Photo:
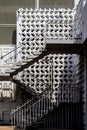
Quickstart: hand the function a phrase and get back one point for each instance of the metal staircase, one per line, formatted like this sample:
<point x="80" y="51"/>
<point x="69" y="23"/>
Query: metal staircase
<point x="33" y="29"/>
<point x="22" y="64"/>
<point x="32" y="35"/>
<point x="31" y="46"/>
<point x="32" y="111"/>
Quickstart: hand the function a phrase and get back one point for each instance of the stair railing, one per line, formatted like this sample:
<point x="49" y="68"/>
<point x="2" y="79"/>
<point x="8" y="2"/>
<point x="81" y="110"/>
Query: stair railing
<point x="19" y="108"/>
<point x="10" y="55"/>
<point x="31" y="111"/>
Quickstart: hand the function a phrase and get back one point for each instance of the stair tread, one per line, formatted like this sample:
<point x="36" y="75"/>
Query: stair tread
<point x="9" y="71"/>
<point x="15" y="67"/>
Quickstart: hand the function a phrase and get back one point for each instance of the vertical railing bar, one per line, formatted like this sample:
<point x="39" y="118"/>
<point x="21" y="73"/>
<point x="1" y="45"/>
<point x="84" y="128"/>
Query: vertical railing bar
<point x="39" y="109"/>
<point x="33" y="113"/>
<point x="25" y="116"/>
<point x="29" y="113"/>
<point x="44" y="104"/>
<point x="30" y="117"/>
<point x="17" y="115"/>
<point x="47" y="106"/>
<point x="22" y="119"/>
<point x="42" y="107"/>
<point x="37" y="112"/>
<point x="14" y="120"/>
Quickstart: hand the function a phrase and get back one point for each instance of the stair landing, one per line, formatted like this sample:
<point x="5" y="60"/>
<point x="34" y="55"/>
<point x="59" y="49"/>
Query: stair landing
<point x="8" y="128"/>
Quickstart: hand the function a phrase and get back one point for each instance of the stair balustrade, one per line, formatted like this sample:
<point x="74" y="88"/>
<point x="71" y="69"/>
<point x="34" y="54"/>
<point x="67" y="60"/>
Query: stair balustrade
<point x="33" y="110"/>
<point x="11" y="58"/>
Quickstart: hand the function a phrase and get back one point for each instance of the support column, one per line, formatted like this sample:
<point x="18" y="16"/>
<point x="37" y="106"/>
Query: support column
<point x="37" y="4"/>
<point x="85" y="90"/>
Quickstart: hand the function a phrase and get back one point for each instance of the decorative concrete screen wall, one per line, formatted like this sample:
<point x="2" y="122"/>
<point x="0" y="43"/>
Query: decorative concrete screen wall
<point x="55" y="72"/>
<point x="35" y="26"/>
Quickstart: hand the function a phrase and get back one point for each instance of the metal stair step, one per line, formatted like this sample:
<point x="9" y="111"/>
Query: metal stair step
<point x="27" y="60"/>
<point x="37" y="53"/>
<point x="9" y="71"/>
<point x="15" y="67"/>
<point x="33" y="56"/>
<point x="20" y="63"/>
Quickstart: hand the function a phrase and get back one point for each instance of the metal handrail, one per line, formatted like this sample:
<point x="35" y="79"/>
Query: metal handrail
<point x="10" y="52"/>
<point x="28" y="109"/>
<point x="28" y="102"/>
<point x="37" y="96"/>
<point x="12" y="56"/>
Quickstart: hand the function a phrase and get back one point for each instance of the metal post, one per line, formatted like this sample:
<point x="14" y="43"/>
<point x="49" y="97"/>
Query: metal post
<point x="14" y="118"/>
<point x="51" y="77"/>
<point x="37" y="4"/>
<point x="17" y="115"/>
<point x="30" y="117"/>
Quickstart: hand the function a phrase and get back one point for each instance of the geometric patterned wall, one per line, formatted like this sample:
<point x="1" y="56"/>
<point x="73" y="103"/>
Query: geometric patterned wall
<point x="35" y="26"/>
<point x="55" y="71"/>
